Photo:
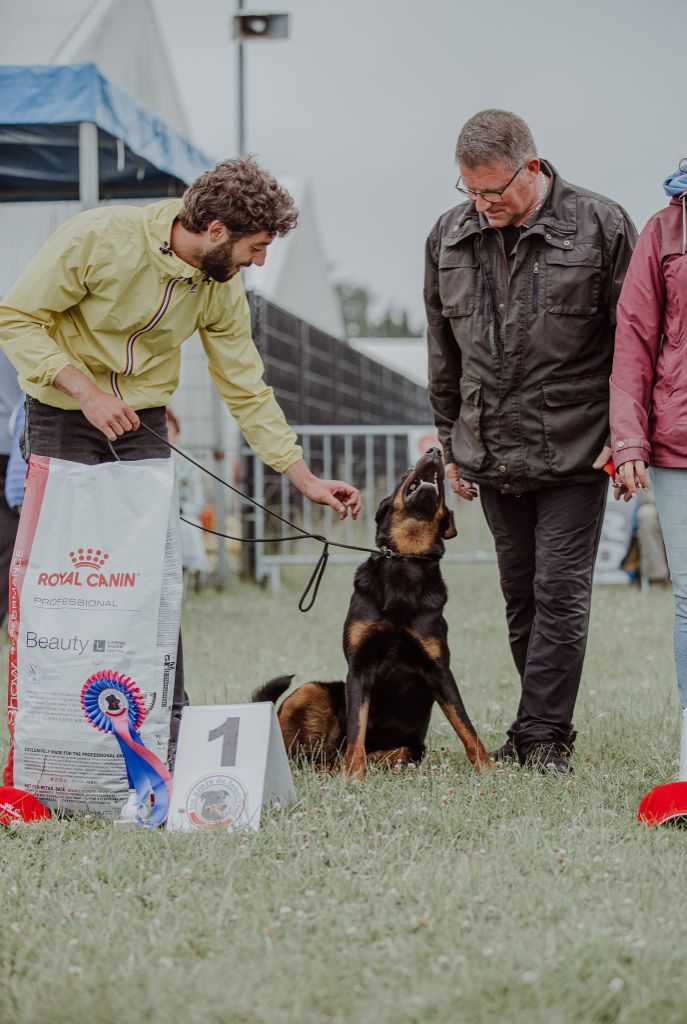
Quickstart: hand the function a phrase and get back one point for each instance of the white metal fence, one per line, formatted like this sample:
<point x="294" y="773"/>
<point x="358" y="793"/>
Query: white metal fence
<point x="372" y="458"/>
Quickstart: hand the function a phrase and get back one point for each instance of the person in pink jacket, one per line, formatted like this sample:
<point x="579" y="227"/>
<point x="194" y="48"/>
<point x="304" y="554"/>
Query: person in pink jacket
<point x="648" y="409"/>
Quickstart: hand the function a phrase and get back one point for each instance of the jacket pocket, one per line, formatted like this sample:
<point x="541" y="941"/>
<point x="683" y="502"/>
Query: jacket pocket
<point x="575" y="417"/>
<point x="466" y="439"/>
<point x="458" y="279"/>
<point x="573" y="280"/>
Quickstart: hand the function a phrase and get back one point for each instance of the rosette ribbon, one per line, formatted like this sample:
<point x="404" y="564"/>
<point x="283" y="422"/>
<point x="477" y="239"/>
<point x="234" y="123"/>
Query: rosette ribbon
<point x="113" y="703"/>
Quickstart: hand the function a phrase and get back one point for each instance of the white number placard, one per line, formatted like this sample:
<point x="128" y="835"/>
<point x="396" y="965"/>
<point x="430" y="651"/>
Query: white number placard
<point x="231" y="761"/>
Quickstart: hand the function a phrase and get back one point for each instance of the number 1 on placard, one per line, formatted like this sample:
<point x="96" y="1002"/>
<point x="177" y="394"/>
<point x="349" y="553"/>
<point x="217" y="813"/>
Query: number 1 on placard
<point x="229" y="731"/>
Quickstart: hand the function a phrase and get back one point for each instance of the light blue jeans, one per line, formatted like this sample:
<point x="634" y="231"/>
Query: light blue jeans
<point x="670" y="490"/>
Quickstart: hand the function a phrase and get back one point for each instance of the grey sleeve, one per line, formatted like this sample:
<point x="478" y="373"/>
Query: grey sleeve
<point x="621" y="248"/>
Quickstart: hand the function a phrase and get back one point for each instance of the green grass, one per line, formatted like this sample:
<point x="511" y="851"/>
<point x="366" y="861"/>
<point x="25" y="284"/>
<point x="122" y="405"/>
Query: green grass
<point x="424" y="895"/>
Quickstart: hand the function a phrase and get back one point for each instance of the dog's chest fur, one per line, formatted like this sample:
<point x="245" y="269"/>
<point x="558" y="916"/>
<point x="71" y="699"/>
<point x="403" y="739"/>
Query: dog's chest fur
<point x="400" y="589"/>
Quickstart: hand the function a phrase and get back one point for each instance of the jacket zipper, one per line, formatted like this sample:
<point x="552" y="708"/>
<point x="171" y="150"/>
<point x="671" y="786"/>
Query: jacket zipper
<point x="132" y="339"/>
<point x="535" y="284"/>
<point x="504" y="311"/>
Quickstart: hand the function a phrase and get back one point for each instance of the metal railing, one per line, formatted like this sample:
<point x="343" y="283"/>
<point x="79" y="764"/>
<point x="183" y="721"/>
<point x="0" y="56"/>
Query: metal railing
<point x="372" y="458"/>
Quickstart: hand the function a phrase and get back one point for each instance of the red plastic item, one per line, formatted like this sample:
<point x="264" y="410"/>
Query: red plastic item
<point x="664" y="803"/>
<point x="610" y="469"/>
<point x="16" y="806"/>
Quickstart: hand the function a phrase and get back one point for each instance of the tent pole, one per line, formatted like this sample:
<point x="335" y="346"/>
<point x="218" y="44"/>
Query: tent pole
<point x="89" y="175"/>
<point x="220" y="494"/>
<point x="219" y="456"/>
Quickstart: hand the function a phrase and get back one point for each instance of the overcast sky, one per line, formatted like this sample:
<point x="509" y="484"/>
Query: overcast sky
<point x="366" y="98"/>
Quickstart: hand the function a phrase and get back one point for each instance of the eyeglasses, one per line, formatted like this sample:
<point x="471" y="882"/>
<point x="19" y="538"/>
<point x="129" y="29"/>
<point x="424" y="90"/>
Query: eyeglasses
<point x="491" y="195"/>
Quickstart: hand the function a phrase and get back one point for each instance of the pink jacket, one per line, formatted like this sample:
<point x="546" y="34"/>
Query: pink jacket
<point x="648" y="411"/>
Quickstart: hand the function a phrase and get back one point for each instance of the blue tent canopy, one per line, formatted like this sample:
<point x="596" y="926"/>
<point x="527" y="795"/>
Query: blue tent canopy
<point x="41" y="108"/>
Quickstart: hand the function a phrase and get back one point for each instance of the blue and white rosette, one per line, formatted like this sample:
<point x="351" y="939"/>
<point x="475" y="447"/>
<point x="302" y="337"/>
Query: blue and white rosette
<point x="113" y="703"/>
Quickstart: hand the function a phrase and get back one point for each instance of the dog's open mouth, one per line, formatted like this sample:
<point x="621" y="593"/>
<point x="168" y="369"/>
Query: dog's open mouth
<point x="423" y="489"/>
<point x="433" y="481"/>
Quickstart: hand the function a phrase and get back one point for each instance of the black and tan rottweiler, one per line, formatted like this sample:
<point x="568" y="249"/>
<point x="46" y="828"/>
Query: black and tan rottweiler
<point x="395" y="642"/>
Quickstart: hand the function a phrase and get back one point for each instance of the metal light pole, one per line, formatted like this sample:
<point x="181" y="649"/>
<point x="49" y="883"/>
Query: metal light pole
<point x="240" y="90"/>
<point x="245" y="27"/>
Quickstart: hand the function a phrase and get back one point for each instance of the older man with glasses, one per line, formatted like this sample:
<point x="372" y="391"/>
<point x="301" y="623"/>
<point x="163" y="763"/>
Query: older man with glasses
<point x="521" y="286"/>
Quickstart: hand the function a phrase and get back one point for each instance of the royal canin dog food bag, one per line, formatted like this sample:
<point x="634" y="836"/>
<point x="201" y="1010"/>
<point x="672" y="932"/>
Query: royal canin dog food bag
<point x="95" y="585"/>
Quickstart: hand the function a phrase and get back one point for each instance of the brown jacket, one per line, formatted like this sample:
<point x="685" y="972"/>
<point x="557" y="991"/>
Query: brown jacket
<point x="520" y="348"/>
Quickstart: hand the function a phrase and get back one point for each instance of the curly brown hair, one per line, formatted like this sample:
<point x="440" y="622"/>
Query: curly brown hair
<point x="243" y="196"/>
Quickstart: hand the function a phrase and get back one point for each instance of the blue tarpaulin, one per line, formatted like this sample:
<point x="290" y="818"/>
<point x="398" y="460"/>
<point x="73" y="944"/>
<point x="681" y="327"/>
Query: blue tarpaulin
<point x="41" y="107"/>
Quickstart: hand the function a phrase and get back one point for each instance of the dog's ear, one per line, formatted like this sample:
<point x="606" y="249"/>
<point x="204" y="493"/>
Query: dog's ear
<point x="382" y="510"/>
<point x="448" y="525"/>
<point x="382" y="516"/>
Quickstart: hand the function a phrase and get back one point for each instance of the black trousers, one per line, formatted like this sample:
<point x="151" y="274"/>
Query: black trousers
<point x="9" y="521"/>
<point x="67" y="434"/>
<point x="546" y="542"/>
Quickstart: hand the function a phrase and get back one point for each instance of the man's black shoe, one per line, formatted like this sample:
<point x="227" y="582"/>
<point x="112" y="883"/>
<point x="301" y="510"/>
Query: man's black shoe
<point x="506" y="754"/>
<point x="509" y="753"/>
<point x="549" y="757"/>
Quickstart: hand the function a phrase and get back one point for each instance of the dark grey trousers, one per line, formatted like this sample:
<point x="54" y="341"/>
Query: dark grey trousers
<point x="9" y="521"/>
<point x="67" y="434"/>
<point x="546" y="542"/>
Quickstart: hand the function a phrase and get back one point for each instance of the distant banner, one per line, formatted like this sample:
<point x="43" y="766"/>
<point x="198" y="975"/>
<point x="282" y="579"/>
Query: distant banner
<point x="616" y="535"/>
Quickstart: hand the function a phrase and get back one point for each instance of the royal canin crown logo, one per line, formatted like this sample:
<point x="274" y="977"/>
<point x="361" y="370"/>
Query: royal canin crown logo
<point x="87" y="558"/>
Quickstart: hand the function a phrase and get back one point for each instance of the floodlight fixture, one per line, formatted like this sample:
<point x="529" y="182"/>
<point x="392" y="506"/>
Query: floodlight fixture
<point x="258" y="25"/>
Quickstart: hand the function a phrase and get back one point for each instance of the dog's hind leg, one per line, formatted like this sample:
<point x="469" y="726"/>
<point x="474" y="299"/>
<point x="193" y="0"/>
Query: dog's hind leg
<point x="309" y="724"/>
<point x="449" y="700"/>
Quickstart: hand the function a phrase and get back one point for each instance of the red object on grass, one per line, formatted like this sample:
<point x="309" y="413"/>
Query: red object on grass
<point x="16" y="805"/>
<point x="664" y="803"/>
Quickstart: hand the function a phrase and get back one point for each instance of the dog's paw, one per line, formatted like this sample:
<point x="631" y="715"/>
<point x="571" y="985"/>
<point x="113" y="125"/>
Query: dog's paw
<point x="355" y="765"/>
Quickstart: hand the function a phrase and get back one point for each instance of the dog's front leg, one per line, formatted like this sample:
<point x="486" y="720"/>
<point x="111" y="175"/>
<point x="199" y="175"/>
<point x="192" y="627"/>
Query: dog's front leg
<point x="448" y="698"/>
<point x="357" y="709"/>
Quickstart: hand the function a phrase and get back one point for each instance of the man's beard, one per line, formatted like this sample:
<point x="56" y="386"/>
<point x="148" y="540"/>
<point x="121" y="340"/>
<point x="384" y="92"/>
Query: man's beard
<point x="217" y="262"/>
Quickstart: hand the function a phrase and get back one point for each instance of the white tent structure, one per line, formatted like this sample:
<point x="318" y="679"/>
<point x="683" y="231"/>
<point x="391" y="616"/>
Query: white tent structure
<point x="120" y="36"/>
<point x="296" y="274"/>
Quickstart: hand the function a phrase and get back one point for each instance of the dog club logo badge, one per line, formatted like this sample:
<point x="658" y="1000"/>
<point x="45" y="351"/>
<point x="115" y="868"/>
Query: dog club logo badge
<point x="217" y="801"/>
<point x="89" y="567"/>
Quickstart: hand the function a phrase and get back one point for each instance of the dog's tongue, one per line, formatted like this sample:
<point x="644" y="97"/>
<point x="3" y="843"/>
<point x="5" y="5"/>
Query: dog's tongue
<point x="428" y="483"/>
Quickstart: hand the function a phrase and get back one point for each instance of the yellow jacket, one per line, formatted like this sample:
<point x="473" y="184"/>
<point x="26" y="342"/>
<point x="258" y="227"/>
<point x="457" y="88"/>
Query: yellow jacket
<point x="105" y="294"/>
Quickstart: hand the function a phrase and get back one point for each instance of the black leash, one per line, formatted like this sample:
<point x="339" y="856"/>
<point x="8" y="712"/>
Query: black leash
<point x="313" y="585"/>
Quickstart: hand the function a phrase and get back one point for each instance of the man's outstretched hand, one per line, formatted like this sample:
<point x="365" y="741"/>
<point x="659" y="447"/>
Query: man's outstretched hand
<point x="458" y="485"/>
<point x="340" y="496"/>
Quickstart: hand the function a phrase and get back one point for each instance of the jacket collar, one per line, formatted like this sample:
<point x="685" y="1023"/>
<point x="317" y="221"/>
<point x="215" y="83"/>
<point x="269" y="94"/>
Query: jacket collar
<point x="556" y="220"/>
<point x="158" y="226"/>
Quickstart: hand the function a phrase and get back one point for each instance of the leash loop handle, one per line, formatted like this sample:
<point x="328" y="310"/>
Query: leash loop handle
<point x="314" y="581"/>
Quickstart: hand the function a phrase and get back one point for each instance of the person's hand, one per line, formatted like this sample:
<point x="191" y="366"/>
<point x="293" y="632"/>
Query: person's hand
<point x="340" y="496"/>
<point x="602" y="458"/>
<point x="458" y="485"/>
<point x="109" y="414"/>
<point x="629" y="477"/>
<point x="337" y="494"/>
